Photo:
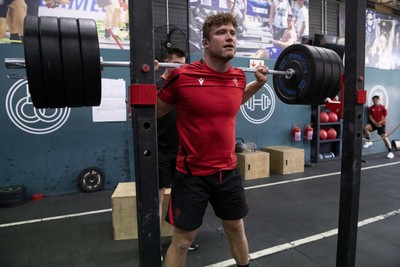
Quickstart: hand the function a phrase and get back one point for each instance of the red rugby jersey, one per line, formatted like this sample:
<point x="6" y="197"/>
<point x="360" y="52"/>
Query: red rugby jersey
<point x="206" y="103"/>
<point x="377" y="112"/>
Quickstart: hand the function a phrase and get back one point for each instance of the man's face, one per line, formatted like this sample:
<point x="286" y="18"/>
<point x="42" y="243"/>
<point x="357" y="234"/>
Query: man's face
<point x="291" y="21"/>
<point x="376" y="101"/>
<point x="221" y="42"/>
<point x="175" y="59"/>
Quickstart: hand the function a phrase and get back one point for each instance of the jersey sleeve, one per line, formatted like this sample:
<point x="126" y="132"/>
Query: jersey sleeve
<point x="168" y="91"/>
<point x="384" y="111"/>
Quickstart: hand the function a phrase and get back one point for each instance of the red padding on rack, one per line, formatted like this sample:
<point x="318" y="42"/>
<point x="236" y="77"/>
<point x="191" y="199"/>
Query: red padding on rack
<point x="142" y="94"/>
<point x="361" y="97"/>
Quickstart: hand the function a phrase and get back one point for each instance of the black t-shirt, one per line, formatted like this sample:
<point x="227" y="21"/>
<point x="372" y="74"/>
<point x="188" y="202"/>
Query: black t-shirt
<point x="167" y="132"/>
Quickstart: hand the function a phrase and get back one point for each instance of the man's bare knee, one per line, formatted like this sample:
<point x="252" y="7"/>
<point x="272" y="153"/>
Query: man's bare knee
<point x="234" y="228"/>
<point x="182" y="239"/>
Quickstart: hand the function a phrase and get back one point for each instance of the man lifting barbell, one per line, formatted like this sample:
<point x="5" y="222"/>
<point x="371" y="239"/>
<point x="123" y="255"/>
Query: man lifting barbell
<point x="207" y="95"/>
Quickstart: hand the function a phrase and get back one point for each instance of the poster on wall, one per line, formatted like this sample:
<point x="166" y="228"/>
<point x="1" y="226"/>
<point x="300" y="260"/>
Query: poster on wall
<point x="265" y="27"/>
<point x="111" y="16"/>
<point x="382" y="41"/>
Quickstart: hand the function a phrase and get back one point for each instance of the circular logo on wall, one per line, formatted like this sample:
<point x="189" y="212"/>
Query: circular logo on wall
<point x="380" y="91"/>
<point x="25" y="116"/>
<point x="260" y="107"/>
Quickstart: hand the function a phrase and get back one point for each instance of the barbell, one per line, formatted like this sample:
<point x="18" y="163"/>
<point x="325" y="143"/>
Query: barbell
<point x="63" y="66"/>
<point x="19" y="63"/>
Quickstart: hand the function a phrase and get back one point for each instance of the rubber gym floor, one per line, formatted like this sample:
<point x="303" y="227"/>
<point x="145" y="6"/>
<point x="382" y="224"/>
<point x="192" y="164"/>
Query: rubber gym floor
<point x="293" y="222"/>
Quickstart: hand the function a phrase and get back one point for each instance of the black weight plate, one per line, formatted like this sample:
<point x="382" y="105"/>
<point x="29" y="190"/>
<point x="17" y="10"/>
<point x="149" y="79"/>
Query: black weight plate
<point x="333" y="82"/>
<point x="337" y="70"/>
<point x="91" y="179"/>
<point x="52" y="62"/>
<point x="321" y="93"/>
<point x="308" y="71"/>
<point x="13" y="200"/>
<point x="12" y="203"/>
<point x="90" y="52"/>
<point x="12" y="191"/>
<point x="33" y="62"/>
<point x="291" y="94"/>
<point x="319" y="77"/>
<point x="71" y="60"/>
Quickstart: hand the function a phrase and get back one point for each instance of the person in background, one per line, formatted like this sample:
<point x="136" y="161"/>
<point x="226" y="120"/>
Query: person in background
<point x="12" y="14"/>
<point x="289" y="37"/>
<point x="108" y="6"/>
<point x="381" y="50"/>
<point x="167" y="135"/>
<point x="279" y="11"/>
<point x="207" y="94"/>
<point x="302" y="21"/>
<point x="377" y="115"/>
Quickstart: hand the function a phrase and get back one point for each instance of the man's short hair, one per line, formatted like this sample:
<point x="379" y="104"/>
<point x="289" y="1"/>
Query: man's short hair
<point x="174" y="51"/>
<point x="291" y="17"/>
<point x="218" y="19"/>
<point x="375" y="96"/>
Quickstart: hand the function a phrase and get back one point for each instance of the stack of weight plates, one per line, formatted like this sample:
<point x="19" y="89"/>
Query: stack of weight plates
<point x="12" y="196"/>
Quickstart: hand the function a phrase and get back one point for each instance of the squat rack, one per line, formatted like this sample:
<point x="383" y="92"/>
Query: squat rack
<point x="142" y="100"/>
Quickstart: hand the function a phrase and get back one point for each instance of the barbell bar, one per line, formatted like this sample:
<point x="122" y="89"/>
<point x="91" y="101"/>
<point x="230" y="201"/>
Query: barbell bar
<point x="69" y="56"/>
<point x="19" y="63"/>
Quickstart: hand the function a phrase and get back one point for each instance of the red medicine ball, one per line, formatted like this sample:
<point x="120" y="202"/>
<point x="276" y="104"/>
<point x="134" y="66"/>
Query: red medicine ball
<point x="323" y="116"/>
<point x="332" y="117"/>
<point x="331" y="133"/>
<point x="323" y="134"/>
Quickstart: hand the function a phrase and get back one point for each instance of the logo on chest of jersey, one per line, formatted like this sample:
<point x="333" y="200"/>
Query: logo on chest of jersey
<point x="201" y="80"/>
<point x="235" y="81"/>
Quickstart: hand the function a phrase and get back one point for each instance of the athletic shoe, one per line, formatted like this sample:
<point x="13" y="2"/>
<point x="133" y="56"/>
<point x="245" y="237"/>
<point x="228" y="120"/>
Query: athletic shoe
<point x="390" y="155"/>
<point x="193" y="247"/>
<point x="367" y="144"/>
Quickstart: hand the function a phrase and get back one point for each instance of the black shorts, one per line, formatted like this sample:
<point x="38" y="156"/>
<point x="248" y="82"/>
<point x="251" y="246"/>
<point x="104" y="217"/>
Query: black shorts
<point x="190" y="196"/>
<point x="166" y="169"/>
<point x="381" y="130"/>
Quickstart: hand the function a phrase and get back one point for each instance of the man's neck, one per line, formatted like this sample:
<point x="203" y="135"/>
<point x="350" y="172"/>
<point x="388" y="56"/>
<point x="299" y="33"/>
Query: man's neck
<point x="216" y="64"/>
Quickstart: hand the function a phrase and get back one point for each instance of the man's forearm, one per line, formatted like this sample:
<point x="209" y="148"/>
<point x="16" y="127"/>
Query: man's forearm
<point x="251" y="89"/>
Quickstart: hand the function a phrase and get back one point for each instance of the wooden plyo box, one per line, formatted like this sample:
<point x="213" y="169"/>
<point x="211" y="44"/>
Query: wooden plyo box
<point x="285" y="159"/>
<point x="124" y="215"/>
<point x="253" y="165"/>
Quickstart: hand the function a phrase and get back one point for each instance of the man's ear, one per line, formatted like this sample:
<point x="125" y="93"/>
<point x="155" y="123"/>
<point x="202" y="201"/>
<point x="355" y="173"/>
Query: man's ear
<point x="204" y="42"/>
